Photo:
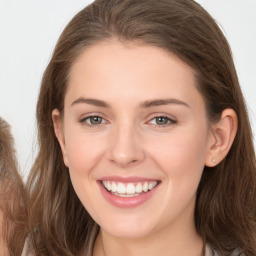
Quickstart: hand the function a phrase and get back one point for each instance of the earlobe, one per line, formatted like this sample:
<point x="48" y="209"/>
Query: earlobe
<point x="59" y="133"/>
<point x="222" y="137"/>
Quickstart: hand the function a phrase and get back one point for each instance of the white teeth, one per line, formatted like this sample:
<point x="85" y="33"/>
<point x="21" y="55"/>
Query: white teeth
<point x="109" y="187"/>
<point x="139" y="188"/>
<point x="126" y="195"/>
<point x="114" y="187"/>
<point x="128" y="189"/>
<point x="151" y="185"/>
<point x="121" y="188"/>
<point x="104" y="183"/>
<point x="145" y="187"/>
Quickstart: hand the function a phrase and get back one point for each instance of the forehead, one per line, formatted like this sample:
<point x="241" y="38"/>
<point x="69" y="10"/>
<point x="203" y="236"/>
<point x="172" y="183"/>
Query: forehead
<point x="116" y="70"/>
<point x="127" y="55"/>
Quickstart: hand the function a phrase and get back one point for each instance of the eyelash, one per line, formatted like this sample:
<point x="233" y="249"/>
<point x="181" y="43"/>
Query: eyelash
<point x="169" y="120"/>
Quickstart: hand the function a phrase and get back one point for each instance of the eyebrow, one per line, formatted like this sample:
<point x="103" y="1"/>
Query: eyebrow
<point x="160" y="102"/>
<point x="146" y="104"/>
<point x="94" y="102"/>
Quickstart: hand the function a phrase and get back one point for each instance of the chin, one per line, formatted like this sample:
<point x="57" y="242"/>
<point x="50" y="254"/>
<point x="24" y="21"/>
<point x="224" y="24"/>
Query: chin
<point x="128" y="229"/>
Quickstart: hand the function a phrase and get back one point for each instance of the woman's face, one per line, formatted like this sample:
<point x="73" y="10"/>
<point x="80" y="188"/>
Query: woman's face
<point x="135" y="138"/>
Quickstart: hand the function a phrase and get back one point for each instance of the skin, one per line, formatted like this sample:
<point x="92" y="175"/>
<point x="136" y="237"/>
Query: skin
<point x="131" y="142"/>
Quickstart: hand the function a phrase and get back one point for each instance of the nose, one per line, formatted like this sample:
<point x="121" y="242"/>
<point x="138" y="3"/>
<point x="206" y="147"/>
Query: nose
<point x="125" y="147"/>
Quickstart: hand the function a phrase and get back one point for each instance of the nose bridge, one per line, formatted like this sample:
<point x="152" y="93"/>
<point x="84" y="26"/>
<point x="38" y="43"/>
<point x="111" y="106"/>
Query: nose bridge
<point x="126" y="148"/>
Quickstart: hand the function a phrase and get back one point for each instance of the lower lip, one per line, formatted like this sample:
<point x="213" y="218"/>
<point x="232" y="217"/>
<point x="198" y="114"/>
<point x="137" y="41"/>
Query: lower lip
<point x="126" y="202"/>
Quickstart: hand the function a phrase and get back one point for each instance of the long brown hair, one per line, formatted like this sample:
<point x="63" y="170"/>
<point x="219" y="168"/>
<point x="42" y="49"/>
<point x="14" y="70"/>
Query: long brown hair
<point x="13" y="197"/>
<point x="225" y="211"/>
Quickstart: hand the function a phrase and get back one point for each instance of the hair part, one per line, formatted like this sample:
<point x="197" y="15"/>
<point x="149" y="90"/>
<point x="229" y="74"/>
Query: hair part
<point x="225" y="208"/>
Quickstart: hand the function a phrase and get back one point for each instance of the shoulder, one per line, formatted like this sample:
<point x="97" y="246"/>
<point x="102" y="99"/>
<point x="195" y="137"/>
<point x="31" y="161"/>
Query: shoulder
<point x="211" y="252"/>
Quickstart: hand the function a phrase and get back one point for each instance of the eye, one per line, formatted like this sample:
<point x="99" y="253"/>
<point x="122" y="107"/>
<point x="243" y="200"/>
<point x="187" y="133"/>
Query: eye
<point x="162" y="121"/>
<point x="93" y="120"/>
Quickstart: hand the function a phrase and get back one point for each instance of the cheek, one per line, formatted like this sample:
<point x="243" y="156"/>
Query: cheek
<point x="182" y="157"/>
<point x="83" y="151"/>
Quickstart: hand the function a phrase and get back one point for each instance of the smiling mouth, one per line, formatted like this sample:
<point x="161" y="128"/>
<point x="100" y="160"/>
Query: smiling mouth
<point x="129" y="189"/>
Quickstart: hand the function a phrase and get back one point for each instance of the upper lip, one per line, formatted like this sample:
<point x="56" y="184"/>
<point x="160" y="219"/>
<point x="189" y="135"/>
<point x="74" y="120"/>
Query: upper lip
<point x="127" y="179"/>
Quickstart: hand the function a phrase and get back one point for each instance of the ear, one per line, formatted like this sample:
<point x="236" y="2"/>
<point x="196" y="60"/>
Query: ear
<point x="59" y="132"/>
<point x="221" y="138"/>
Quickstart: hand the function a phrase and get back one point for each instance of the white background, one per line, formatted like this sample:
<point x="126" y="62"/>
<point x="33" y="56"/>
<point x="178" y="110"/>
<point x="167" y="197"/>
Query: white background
<point x="29" y="30"/>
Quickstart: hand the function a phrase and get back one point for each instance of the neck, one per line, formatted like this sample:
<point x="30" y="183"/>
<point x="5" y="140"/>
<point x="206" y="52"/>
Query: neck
<point x="168" y="243"/>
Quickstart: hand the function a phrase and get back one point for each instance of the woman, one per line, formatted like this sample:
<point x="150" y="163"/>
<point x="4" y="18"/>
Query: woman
<point x="144" y="140"/>
<point x="13" y="208"/>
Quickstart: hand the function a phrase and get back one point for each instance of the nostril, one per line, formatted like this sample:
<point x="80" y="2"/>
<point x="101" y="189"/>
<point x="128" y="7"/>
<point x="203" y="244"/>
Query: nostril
<point x="125" y="162"/>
